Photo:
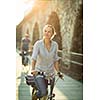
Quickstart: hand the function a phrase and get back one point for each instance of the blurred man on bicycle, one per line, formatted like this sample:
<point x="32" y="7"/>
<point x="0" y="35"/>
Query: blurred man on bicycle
<point x="25" y="45"/>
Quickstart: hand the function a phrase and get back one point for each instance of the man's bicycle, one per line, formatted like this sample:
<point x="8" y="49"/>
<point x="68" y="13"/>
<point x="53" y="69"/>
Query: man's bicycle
<point x="26" y="59"/>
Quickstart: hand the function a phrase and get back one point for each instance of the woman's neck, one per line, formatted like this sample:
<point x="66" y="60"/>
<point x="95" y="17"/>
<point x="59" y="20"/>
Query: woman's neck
<point x="47" y="44"/>
<point x="47" y="41"/>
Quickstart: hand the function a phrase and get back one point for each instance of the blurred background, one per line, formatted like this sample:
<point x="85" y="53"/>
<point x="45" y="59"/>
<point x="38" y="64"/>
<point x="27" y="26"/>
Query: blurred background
<point x="67" y="18"/>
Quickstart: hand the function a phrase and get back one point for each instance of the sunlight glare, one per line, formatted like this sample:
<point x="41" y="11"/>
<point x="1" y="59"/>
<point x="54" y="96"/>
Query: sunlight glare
<point x="23" y="7"/>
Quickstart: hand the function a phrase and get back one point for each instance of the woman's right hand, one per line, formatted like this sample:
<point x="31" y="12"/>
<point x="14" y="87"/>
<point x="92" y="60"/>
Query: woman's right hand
<point x="34" y="72"/>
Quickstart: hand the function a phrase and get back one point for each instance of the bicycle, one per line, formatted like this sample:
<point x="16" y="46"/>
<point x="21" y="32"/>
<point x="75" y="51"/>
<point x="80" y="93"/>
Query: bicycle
<point x="35" y="83"/>
<point x="26" y="59"/>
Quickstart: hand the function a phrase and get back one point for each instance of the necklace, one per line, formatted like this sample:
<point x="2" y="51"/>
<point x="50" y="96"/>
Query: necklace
<point x="48" y="47"/>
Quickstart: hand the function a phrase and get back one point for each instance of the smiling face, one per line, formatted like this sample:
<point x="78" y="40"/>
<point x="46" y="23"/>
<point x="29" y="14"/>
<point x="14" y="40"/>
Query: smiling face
<point x="48" y="32"/>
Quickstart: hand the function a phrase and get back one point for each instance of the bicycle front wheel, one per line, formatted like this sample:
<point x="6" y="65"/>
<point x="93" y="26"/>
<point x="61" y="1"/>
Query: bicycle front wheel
<point x="34" y="97"/>
<point x="44" y="98"/>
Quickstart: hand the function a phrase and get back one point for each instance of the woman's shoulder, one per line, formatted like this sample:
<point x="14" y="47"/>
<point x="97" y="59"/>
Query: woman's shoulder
<point x="38" y="42"/>
<point x="54" y="42"/>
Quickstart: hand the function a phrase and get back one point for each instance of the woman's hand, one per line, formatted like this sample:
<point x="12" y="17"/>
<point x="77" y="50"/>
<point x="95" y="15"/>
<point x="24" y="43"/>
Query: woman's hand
<point x="34" y="72"/>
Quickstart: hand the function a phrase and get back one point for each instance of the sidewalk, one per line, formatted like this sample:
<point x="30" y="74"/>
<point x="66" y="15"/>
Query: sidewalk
<point x="69" y="89"/>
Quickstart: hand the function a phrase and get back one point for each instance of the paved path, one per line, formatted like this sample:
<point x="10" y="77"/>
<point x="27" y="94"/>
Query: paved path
<point x="69" y="89"/>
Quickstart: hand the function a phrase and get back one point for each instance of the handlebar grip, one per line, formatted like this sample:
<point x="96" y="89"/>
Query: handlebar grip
<point x="60" y="75"/>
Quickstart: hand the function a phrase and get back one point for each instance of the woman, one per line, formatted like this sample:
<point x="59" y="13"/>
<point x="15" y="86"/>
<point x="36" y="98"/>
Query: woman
<point x="44" y="57"/>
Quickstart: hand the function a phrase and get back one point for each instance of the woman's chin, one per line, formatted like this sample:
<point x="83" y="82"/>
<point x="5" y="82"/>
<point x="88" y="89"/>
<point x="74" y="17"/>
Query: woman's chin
<point x="46" y="37"/>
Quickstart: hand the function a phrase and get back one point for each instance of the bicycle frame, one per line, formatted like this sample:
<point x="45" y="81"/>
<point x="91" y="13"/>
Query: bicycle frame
<point x="50" y="95"/>
<point x="25" y="58"/>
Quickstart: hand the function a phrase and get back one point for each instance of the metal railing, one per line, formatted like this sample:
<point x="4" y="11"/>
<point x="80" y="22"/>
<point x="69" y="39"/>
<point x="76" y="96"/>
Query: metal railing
<point x="72" y="53"/>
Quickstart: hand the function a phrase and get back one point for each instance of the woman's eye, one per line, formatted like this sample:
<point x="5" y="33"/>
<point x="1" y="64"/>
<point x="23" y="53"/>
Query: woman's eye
<point x="47" y="31"/>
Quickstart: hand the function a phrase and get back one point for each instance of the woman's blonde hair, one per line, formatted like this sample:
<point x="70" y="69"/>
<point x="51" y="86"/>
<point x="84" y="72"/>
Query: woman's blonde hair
<point x="53" y="29"/>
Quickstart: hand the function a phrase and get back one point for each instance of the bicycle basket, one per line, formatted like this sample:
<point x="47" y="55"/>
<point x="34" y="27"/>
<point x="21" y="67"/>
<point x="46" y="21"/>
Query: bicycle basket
<point x="30" y="80"/>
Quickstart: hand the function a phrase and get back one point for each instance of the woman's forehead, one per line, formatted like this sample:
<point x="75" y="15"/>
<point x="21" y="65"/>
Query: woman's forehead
<point x="48" y="28"/>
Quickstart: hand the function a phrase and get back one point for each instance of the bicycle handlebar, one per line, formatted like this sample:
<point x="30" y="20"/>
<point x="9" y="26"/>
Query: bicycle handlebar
<point x="59" y="74"/>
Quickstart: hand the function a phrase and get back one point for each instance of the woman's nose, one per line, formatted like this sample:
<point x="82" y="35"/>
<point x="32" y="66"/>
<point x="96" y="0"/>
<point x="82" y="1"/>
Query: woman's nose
<point x="46" y="33"/>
